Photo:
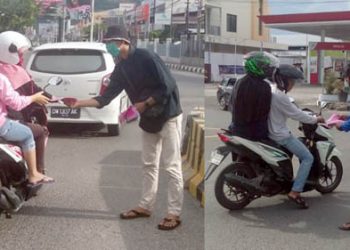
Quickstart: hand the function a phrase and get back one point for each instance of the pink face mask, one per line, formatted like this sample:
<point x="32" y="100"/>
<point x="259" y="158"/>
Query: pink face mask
<point x="21" y="60"/>
<point x="21" y="56"/>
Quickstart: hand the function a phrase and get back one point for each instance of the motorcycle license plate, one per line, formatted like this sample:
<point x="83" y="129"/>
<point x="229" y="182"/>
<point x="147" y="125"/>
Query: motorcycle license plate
<point x="63" y="112"/>
<point x="216" y="158"/>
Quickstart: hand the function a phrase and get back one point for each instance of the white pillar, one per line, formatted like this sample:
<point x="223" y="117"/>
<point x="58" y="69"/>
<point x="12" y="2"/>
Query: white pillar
<point x="167" y="47"/>
<point x="155" y="44"/>
<point x="320" y="65"/>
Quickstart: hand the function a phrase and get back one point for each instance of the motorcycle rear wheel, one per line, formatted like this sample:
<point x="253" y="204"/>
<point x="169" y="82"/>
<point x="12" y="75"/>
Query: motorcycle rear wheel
<point x="331" y="176"/>
<point x="228" y="196"/>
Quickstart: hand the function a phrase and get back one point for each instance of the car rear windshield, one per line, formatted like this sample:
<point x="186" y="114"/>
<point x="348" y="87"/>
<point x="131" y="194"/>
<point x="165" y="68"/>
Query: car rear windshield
<point x="68" y="61"/>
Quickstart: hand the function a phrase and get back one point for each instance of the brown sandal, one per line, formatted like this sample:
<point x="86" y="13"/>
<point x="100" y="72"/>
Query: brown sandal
<point x="175" y="222"/>
<point x="299" y="201"/>
<point x="133" y="214"/>
<point x="345" y="226"/>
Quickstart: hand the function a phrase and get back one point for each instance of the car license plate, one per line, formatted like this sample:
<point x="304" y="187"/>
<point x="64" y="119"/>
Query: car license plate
<point x="216" y="158"/>
<point x="63" y="112"/>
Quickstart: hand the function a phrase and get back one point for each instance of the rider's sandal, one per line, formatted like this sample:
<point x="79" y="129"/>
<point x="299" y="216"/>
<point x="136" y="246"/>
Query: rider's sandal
<point x="174" y="223"/>
<point x="299" y="201"/>
<point x="345" y="226"/>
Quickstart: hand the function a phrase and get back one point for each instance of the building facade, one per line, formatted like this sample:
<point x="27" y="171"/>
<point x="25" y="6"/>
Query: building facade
<point x="232" y="30"/>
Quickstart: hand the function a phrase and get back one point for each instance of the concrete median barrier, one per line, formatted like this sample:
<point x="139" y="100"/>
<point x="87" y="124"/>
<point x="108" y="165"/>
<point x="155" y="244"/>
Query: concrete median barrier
<point x="193" y="154"/>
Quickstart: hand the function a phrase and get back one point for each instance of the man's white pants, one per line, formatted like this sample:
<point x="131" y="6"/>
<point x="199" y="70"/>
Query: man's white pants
<point x="167" y="144"/>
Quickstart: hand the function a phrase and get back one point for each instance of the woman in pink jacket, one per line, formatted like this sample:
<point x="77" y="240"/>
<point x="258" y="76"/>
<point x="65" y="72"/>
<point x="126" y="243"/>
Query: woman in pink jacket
<point x="10" y="130"/>
<point x="34" y="115"/>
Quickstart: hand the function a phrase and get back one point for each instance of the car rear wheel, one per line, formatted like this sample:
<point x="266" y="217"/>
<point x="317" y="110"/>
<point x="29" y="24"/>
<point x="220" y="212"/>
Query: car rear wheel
<point x="113" y="129"/>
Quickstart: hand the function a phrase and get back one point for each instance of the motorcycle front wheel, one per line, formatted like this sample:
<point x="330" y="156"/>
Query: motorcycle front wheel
<point x="331" y="176"/>
<point x="229" y="196"/>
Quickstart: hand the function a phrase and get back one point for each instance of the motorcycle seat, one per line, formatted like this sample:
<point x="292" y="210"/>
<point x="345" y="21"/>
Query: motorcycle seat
<point x="274" y="144"/>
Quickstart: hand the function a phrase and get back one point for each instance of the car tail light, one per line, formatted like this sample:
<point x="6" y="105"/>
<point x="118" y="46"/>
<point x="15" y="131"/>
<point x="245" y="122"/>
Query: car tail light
<point x="104" y="84"/>
<point x="224" y="138"/>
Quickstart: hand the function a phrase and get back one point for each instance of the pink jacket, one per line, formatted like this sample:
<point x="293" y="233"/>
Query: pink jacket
<point x="9" y="97"/>
<point x="17" y="75"/>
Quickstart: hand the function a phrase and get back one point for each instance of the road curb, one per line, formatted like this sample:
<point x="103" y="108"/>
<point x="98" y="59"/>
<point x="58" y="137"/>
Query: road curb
<point x="187" y="68"/>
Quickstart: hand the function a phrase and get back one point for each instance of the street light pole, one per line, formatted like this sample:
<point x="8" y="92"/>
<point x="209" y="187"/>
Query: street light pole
<point x="92" y="20"/>
<point x="236" y="58"/>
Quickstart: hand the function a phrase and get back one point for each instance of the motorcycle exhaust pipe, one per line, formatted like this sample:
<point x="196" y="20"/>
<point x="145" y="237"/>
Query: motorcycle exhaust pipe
<point x="240" y="182"/>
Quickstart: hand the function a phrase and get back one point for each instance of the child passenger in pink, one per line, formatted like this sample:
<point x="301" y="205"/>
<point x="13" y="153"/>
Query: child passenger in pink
<point x="11" y="130"/>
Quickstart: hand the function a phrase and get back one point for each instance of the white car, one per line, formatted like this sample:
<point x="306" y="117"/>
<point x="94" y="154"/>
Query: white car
<point x="85" y="69"/>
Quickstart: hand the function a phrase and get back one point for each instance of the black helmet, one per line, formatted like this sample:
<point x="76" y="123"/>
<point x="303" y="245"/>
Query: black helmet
<point x="286" y="72"/>
<point x="260" y="64"/>
<point x="117" y="33"/>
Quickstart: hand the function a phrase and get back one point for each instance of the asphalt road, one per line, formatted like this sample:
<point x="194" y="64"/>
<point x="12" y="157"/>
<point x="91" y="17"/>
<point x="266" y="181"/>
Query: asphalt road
<point x="275" y="223"/>
<point x="97" y="177"/>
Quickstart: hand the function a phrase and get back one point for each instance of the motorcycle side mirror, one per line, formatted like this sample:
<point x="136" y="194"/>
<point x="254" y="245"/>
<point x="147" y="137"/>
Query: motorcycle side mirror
<point x="323" y="105"/>
<point x="54" y="81"/>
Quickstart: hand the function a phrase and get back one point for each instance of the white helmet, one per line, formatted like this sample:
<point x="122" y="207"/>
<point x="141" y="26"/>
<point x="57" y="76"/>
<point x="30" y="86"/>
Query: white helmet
<point x="10" y="44"/>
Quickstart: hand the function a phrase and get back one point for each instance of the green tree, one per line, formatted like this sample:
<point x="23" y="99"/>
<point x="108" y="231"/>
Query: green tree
<point x="161" y="34"/>
<point x="97" y="27"/>
<point x="17" y="14"/>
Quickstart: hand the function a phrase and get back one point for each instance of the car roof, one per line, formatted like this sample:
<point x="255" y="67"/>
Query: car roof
<point x="72" y="45"/>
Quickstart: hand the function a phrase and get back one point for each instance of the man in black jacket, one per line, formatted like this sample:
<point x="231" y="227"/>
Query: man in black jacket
<point x="153" y="91"/>
<point x="251" y="97"/>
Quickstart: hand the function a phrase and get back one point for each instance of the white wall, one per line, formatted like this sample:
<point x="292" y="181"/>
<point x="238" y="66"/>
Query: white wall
<point x="243" y="12"/>
<point x="217" y="59"/>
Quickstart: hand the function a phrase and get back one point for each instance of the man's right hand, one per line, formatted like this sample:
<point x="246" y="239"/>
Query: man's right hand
<point x="75" y="103"/>
<point x="71" y="102"/>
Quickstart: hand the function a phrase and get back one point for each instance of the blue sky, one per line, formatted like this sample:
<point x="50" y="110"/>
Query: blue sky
<point x="303" y="6"/>
<point x="306" y="6"/>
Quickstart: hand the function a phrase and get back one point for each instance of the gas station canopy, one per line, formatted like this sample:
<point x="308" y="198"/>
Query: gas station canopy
<point x="325" y="24"/>
<point x="334" y="24"/>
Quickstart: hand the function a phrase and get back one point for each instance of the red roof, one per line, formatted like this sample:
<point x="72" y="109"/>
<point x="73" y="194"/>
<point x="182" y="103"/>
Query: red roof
<point x="306" y="17"/>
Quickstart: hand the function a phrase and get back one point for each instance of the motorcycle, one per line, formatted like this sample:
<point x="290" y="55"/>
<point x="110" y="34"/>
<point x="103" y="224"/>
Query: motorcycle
<point x="14" y="186"/>
<point x="265" y="168"/>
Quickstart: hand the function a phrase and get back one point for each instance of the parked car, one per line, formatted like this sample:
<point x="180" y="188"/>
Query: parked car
<point x="85" y="69"/>
<point x="224" y="92"/>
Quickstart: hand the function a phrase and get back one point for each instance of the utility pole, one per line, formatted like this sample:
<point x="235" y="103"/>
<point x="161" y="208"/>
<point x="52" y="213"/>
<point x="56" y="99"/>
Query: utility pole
<point x="64" y="22"/>
<point x="236" y="57"/>
<point x="154" y="14"/>
<point x="187" y="21"/>
<point x="92" y="20"/>
<point x="135" y="24"/>
<point x="171" y="20"/>
<point x="199" y="21"/>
